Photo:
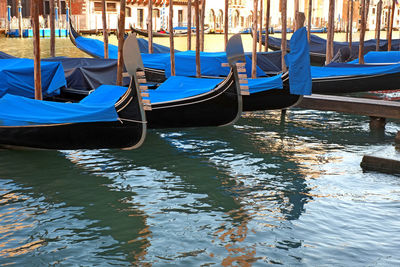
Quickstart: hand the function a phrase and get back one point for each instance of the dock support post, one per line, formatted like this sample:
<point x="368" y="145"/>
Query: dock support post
<point x="397" y="139"/>
<point x="377" y="123"/>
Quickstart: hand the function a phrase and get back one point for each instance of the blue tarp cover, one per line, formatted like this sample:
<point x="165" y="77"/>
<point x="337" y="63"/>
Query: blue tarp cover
<point x="97" y="107"/>
<point x="380" y="57"/>
<point x="178" y="87"/>
<point x="346" y="69"/>
<point x="298" y="61"/>
<point x="96" y="47"/>
<point x="185" y="63"/>
<point x="318" y="45"/>
<point x="265" y="83"/>
<point x="87" y="74"/>
<point x="5" y="55"/>
<point x="157" y="48"/>
<point x="16" y="77"/>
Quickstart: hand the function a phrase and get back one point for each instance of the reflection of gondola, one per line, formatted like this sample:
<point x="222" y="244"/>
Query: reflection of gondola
<point x="111" y="117"/>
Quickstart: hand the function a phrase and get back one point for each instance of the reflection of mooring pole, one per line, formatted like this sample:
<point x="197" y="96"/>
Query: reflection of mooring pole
<point x="20" y="18"/>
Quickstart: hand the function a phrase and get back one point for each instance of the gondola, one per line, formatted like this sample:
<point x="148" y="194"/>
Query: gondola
<point x="340" y="78"/>
<point x="110" y="117"/>
<point x="145" y="33"/>
<point x="191" y="102"/>
<point x="318" y="47"/>
<point x="266" y="98"/>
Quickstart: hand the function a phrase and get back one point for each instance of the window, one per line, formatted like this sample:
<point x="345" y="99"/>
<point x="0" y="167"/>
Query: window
<point x="98" y="7"/>
<point x="111" y="7"/>
<point x="128" y="12"/>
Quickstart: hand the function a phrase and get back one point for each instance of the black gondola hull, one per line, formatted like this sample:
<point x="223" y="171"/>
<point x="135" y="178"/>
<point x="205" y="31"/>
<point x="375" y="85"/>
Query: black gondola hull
<point x="74" y="136"/>
<point x="270" y="100"/>
<point x="353" y="84"/>
<point x="220" y="107"/>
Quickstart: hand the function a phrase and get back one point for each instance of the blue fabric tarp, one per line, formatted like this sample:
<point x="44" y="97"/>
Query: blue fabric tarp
<point x="265" y="83"/>
<point x="185" y="64"/>
<point x="17" y="77"/>
<point x="345" y="69"/>
<point x="157" y="48"/>
<point x="298" y="61"/>
<point x="318" y="45"/>
<point x="5" y="55"/>
<point x="87" y="74"/>
<point x="377" y="57"/>
<point x="96" y="47"/>
<point x="97" y="107"/>
<point x="178" y="87"/>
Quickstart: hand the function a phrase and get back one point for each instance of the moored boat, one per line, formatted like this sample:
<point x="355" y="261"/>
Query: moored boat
<point x="110" y="117"/>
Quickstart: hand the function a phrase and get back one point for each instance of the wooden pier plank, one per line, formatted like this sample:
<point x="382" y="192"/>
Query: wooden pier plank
<point x="352" y="105"/>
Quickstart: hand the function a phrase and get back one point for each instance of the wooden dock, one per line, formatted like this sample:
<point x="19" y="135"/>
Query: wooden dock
<point x="359" y="106"/>
<point x="377" y="110"/>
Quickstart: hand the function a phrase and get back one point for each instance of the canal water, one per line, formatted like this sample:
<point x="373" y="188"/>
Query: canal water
<point x="269" y="190"/>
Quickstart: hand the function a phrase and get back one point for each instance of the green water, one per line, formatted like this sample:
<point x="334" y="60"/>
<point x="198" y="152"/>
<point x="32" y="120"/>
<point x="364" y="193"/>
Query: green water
<point x="269" y="190"/>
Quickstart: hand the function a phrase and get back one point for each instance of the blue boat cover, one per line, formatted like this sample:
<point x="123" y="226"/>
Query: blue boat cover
<point x="157" y="48"/>
<point x="5" y="55"/>
<point x="97" y="107"/>
<point x="265" y="83"/>
<point x="16" y="77"/>
<point x="95" y="47"/>
<point x="87" y="74"/>
<point x="298" y="61"/>
<point x="210" y="64"/>
<point x="269" y="62"/>
<point x="179" y="87"/>
<point x="377" y="57"/>
<point x="318" y="45"/>
<point x="346" y="69"/>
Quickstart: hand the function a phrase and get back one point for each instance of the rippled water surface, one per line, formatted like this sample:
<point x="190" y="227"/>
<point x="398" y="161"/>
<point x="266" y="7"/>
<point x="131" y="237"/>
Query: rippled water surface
<point x="267" y="190"/>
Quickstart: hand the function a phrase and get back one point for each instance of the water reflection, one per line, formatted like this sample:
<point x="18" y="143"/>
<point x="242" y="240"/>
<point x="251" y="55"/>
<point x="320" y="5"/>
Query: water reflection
<point x="64" y="214"/>
<point x="212" y="172"/>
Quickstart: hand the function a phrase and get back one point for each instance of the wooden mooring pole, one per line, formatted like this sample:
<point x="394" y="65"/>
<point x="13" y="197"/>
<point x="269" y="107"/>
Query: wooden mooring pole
<point x="391" y="25"/>
<point x="254" y="51"/>
<point x="121" y="33"/>
<point x="36" y="49"/>
<point x="378" y="24"/>
<point x="261" y="26"/>
<point x="20" y="18"/>
<point x="105" y="31"/>
<point x="52" y="29"/>
<point x="171" y="36"/>
<point x="331" y="32"/>
<point x="351" y="24"/>
<point x="310" y="6"/>
<point x="198" y="67"/>
<point x="284" y="33"/>
<point x="226" y="21"/>
<point x="150" y="25"/>
<point x="202" y="15"/>
<point x="267" y="24"/>
<point x="362" y="33"/>
<point x="189" y="25"/>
